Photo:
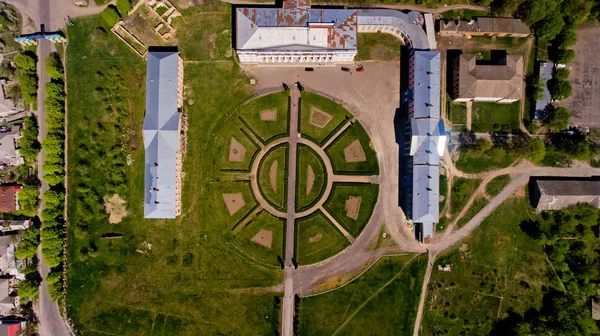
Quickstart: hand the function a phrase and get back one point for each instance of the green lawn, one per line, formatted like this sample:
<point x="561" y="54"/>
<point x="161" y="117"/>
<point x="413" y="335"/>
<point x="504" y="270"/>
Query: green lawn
<point x="336" y="204"/>
<point x="495" y="158"/>
<point x="463" y="14"/>
<point x="495" y="186"/>
<point x="317" y="239"/>
<point x="204" y="33"/>
<point x="185" y="284"/>
<point x="443" y="191"/>
<point x="278" y="158"/>
<point x="479" y="204"/>
<point x="319" y="131"/>
<point x="267" y="130"/>
<point x="497" y="269"/>
<point x="218" y="207"/>
<point x="309" y="158"/>
<point x="489" y="117"/>
<point x="383" y="301"/>
<point x="335" y="151"/>
<point x="458" y="114"/>
<point x="378" y="46"/>
<point x="225" y="144"/>
<point x="462" y="190"/>
<point x="262" y="221"/>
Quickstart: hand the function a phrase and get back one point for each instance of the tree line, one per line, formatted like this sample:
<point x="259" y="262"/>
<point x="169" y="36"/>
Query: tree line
<point x="26" y="64"/>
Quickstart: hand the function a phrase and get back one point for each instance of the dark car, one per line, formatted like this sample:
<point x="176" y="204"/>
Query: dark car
<point x="309" y="69"/>
<point x="345" y="69"/>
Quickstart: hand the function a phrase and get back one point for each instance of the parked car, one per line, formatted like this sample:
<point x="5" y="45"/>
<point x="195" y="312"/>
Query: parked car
<point x="361" y="69"/>
<point x="345" y="69"/>
<point x="309" y="69"/>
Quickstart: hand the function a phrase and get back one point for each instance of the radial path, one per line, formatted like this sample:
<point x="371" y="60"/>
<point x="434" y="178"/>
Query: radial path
<point x="288" y="295"/>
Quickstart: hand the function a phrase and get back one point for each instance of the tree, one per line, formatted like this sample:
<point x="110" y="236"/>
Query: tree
<point x="53" y="180"/>
<point x="536" y="150"/>
<point x="564" y="56"/>
<point x="27" y="248"/>
<point x="124" y="6"/>
<point x="28" y="143"/>
<point x="558" y="119"/>
<point x="534" y="11"/>
<point x="55" y="91"/>
<point x="25" y="62"/>
<point x="53" y="277"/>
<point x="566" y="38"/>
<point x="111" y="15"/>
<point x="28" y="290"/>
<point x="561" y="74"/>
<point x="54" y="67"/>
<point x="560" y="89"/>
<point x="53" y="144"/>
<point x="550" y="27"/>
<point x="28" y="199"/>
<point x="53" y="199"/>
<point x="28" y="85"/>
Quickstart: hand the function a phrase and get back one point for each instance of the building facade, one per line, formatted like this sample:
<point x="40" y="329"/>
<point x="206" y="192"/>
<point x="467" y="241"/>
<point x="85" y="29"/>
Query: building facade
<point x="484" y="26"/>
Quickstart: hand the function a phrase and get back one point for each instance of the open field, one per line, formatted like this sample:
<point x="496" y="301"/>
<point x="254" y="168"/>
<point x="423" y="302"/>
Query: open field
<point x="378" y="46"/>
<point x="312" y="128"/>
<point x="366" y="164"/>
<point x="462" y="190"/>
<point x="495" y="186"/>
<point x="272" y="176"/>
<point x="585" y="74"/>
<point x="317" y="239"/>
<point x="497" y="270"/>
<point x="254" y="240"/>
<point x="267" y="116"/>
<point x="311" y="178"/>
<point x="339" y="204"/>
<point x="383" y="301"/>
<point x="477" y="205"/>
<point x="237" y="147"/>
<point x="230" y="202"/>
<point x="489" y="117"/>
<point x="187" y="282"/>
<point x="494" y="158"/>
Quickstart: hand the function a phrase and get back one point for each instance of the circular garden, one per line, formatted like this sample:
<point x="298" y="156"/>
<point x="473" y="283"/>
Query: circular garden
<point x="335" y="169"/>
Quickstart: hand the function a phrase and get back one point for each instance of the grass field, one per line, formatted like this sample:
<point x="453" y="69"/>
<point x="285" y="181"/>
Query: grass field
<point x="383" y="301"/>
<point x="489" y="117"/>
<point x="320" y="134"/>
<point x="463" y="14"/>
<point x="218" y="207"/>
<point x="277" y="156"/>
<point x="267" y="130"/>
<point x="336" y="204"/>
<point x="335" y="151"/>
<point x="317" y="239"/>
<point x="495" y="186"/>
<point x="443" y="191"/>
<point x="184" y="285"/>
<point x="462" y="190"/>
<point x="238" y="132"/>
<point x="494" y="158"/>
<point x="458" y="114"/>
<point x="378" y="46"/>
<point x="307" y="157"/>
<point x="262" y="221"/>
<point x="497" y="269"/>
<point x="479" y="204"/>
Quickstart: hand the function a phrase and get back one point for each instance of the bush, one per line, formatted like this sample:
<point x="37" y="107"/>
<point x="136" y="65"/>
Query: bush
<point x="560" y="89"/>
<point x="124" y="6"/>
<point x="564" y="56"/>
<point x="28" y="85"/>
<point x="111" y="16"/>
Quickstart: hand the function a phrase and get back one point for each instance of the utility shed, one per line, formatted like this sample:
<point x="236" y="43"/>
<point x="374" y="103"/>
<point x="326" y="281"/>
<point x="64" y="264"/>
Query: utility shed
<point x="557" y="194"/>
<point x="161" y="135"/>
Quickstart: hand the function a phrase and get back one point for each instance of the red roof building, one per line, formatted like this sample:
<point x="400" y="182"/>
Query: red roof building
<point x="8" y="198"/>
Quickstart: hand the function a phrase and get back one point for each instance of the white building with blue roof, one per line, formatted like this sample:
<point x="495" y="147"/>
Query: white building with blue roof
<point x="161" y="132"/>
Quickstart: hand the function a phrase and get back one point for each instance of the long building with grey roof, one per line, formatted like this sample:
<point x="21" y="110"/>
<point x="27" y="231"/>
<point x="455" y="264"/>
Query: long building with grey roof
<point x="428" y="141"/>
<point x="161" y="132"/>
<point x="561" y="193"/>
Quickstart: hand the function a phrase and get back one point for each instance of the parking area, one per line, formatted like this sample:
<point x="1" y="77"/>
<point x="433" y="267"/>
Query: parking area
<point x="585" y="78"/>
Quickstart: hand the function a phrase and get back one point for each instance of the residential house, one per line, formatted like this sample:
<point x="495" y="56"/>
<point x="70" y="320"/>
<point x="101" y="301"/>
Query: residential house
<point x="484" y="81"/>
<point x="561" y="193"/>
<point x="7" y="106"/>
<point x="9" y="198"/>
<point x="9" y="154"/>
<point x="484" y="26"/>
<point x="14" y="225"/>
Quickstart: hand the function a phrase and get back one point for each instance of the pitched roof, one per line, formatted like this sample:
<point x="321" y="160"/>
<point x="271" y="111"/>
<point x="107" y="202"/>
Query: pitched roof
<point x="295" y="26"/>
<point x="426" y="84"/>
<point x="486" y="25"/>
<point x="426" y="194"/>
<point x="161" y="134"/>
<point x="8" y="200"/>
<point x="409" y="25"/>
<point x="589" y="187"/>
<point x="490" y="81"/>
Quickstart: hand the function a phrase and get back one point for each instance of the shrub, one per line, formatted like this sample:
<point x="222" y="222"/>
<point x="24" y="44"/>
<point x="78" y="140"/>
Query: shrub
<point x="561" y="74"/>
<point x="124" y="6"/>
<point x="111" y="15"/>
<point x="25" y="62"/>
<point x="28" y="85"/>
<point x="564" y="56"/>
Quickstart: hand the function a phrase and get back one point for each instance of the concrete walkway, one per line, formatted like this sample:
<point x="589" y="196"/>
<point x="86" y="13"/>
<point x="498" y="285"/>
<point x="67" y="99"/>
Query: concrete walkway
<point x="469" y="114"/>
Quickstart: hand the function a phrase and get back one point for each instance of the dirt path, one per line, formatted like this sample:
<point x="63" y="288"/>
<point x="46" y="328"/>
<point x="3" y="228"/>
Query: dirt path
<point x="469" y="114"/>
<point x="421" y="307"/>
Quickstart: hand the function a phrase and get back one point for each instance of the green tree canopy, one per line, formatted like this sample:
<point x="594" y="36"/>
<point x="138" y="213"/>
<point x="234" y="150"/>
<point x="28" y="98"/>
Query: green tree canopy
<point x="29" y="145"/>
<point x="25" y="62"/>
<point x="550" y="26"/>
<point x="564" y="56"/>
<point x="28" y="86"/>
<point x="28" y="199"/>
<point x="558" y="119"/>
<point x="28" y="290"/>
<point x="54" y="67"/>
<point x="536" y="150"/>
<point x="560" y="89"/>
<point x="124" y="6"/>
<point x="562" y="74"/>
<point x="111" y="15"/>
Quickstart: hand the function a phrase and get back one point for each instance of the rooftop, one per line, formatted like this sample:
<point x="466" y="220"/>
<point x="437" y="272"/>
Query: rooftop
<point x="8" y="200"/>
<point x="486" y="25"/>
<point x="490" y="81"/>
<point x="589" y="187"/>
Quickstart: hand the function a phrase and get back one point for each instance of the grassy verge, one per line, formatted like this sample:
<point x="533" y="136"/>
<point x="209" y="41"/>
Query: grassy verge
<point x="277" y="196"/>
<point x="263" y="253"/>
<point x="462" y="189"/>
<point x="308" y="158"/>
<point x="459" y="114"/>
<point x="490" y="117"/>
<point x="494" y="158"/>
<point x="186" y="283"/>
<point x="267" y="130"/>
<point x="316" y="131"/>
<point x="463" y="14"/>
<point x="317" y="239"/>
<point x="497" y="269"/>
<point x="443" y="191"/>
<point x="495" y="186"/>
<point x="341" y="193"/>
<point x="336" y="153"/>
<point x="378" y="46"/>
<point x="383" y="301"/>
